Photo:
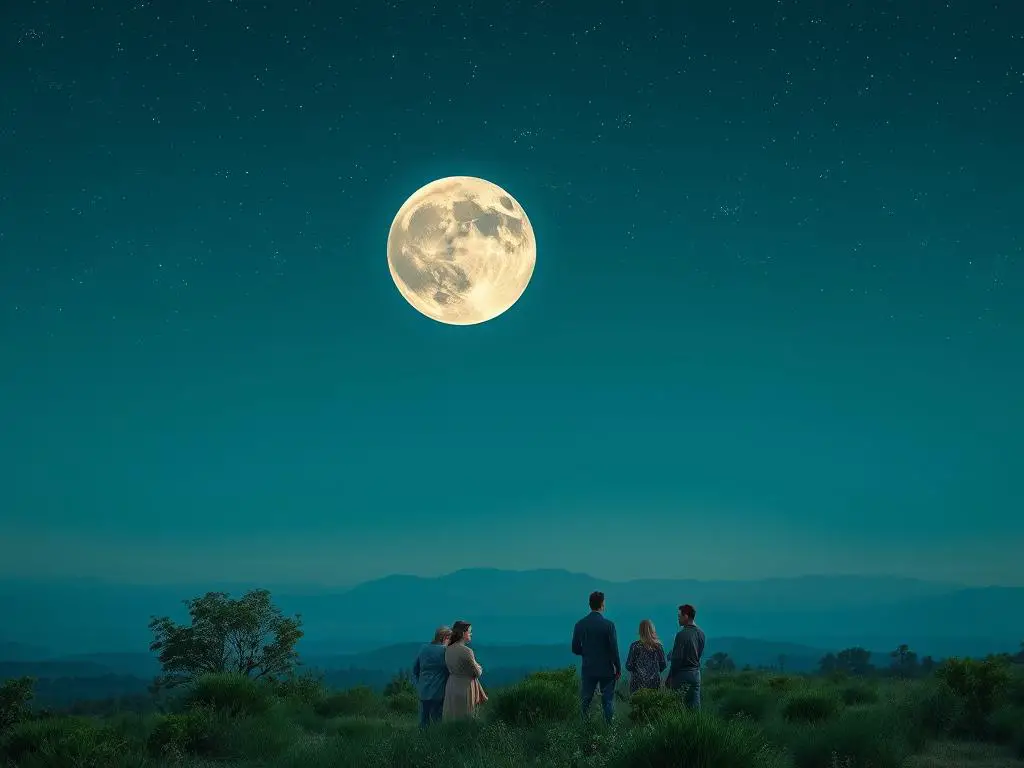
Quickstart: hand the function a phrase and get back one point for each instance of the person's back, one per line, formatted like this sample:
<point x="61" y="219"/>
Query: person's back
<point x="595" y="640"/>
<point x="684" y="672"/>
<point x="430" y="675"/>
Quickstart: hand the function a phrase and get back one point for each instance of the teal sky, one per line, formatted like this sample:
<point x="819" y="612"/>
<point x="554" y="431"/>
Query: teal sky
<point x="775" y="326"/>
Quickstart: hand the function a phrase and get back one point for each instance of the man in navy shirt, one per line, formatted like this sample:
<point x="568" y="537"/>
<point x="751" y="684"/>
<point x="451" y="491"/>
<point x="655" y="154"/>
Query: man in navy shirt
<point x="595" y="640"/>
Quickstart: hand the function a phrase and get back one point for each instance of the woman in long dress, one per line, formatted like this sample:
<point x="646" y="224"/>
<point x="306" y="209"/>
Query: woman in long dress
<point x="646" y="659"/>
<point x="463" y="692"/>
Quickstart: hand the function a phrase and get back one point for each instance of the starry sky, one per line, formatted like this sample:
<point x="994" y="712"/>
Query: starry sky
<point x="775" y="328"/>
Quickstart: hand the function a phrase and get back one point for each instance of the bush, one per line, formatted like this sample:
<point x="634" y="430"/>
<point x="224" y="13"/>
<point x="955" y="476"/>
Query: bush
<point x="745" y="702"/>
<point x="198" y="731"/>
<point x="308" y="689"/>
<point x="534" y="701"/>
<point x="780" y="683"/>
<point x="403" y="703"/>
<point x="232" y="694"/>
<point x="695" y="739"/>
<point x="811" y="707"/>
<point x="400" y="684"/>
<point x="566" y="678"/>
<point x="858" y="693"/>
<point x="15" y="698"/>
<point x="868" y="737"/>
<point x="26" y="737"/>
<point x="360" y="700"/>
<point x="979" y="685"/>
<point x="648" y="705"/>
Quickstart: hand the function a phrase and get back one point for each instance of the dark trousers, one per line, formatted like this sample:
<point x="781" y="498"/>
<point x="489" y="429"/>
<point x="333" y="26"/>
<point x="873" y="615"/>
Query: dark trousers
<point x="607" y="685"/>
<point x="688" y="685"/>
<point x="430" y="711"/>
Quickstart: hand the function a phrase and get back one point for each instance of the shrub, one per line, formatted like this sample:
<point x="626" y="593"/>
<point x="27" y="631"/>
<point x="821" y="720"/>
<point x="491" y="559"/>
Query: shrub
<point x="869" y="737"/>
<point x="400" y="684"/>
<point x="403" y="703"/>
<point x="979" y="685"/>
<point x="29" y="736"/>
<point x="534" y="701"/>
<point x="567" y="677"/>
<point x="780" y="683"/>
<point x="810" y="707"/>
<point x="197" y="731"/>
<point x="308" y="689"/>
<point x="85" y="747"/>
<point x="745" y="702"/>
<point x="858" y="693"/>
<point x="695" y="739"/>
<point x="360" y="700"/>
<point x="233" y="694"/>
<point x="15" y="697"/>
<point x="648" y="705"/>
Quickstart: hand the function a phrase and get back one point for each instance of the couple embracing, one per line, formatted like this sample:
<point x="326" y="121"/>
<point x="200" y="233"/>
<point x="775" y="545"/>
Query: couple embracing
<point x="595" y="639"/>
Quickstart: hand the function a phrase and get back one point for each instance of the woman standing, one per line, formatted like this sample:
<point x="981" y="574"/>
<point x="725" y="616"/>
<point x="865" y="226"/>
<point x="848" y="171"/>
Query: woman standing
<point x="646" y="660"/>
<point x="463" y="692"/>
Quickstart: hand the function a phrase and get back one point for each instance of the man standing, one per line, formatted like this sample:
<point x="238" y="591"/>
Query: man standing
<point x="684" y="674"/>
<point x="430" y="676"/>
<point x="595" y="640"/>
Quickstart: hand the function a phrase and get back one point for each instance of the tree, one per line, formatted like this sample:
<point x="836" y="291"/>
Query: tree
<point x="855" y="661"/>
<point x="16" y="696"/>
<point x="720" y="662"/>
<point x="927" y="665"/>
<point x="828" y="664"/>
<point x="904" y="661"/>
<point x="247" y="636"/>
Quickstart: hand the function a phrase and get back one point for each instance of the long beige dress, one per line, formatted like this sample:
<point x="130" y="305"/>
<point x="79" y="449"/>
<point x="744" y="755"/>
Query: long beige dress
<point x="462" y="691"/>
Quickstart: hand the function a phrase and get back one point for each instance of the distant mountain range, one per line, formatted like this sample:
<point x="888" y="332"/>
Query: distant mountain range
<point x="535" y="608"/>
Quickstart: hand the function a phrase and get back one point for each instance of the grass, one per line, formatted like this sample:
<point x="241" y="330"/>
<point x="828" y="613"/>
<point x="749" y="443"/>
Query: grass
<point x="749" y="720"/>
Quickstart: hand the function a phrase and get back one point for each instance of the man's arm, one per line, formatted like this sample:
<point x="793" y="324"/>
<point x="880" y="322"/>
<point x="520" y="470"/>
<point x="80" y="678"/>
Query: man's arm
<point x="676" y="657"/>
<point x="577" y="640"/>
<point x="614" y="638"/>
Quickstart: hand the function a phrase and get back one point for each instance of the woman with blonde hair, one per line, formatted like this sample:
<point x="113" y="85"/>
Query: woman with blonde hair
<point x="646" y="660"/>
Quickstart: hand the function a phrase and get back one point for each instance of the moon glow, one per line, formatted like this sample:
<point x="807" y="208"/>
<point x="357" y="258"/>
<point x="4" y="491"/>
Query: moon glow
<point x="461" y="250"/>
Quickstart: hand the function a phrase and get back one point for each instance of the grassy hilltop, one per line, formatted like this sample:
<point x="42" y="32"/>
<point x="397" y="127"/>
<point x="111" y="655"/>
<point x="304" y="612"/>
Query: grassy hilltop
<point x="968" y="713"/>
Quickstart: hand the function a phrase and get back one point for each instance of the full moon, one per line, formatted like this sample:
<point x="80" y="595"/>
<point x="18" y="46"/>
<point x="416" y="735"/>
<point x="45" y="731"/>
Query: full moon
<point x="461" y="250"/>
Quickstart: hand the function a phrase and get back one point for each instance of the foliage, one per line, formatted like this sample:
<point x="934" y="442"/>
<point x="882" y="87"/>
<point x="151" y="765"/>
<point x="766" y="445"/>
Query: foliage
<point x="231" y="693"/>
<point x="15" y="701"/>
<point x="399" y="684"/>
<point x="750" y="703"/>
<point x="858" y="693"/>
<point x="720" y="662"/>
<point x="535" y="701"/>
<point x="647" y="705"/>
<point x="696" y="739"/>
<point x="354" y="701"/>
<point x="979" y="685"/>
<point x="248" y="636"/>
<point x="810" y="706"/>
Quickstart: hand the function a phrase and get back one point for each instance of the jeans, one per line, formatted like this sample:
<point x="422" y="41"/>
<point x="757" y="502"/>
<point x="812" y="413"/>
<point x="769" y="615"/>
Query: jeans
<point x="688" y="684"/>
<point x="430" y="711"/>
<point x="590" y="684"/>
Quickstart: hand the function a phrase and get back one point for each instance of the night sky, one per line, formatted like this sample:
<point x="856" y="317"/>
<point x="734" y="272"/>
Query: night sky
<point x="775" y="328"/>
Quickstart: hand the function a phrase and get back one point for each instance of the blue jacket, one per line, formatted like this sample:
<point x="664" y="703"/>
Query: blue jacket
<point x="594" y="639"/>
<point x="430" y="673"/>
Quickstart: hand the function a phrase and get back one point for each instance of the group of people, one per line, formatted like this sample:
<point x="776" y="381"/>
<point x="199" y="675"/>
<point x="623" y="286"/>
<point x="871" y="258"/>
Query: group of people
<point x="447" y="676"/>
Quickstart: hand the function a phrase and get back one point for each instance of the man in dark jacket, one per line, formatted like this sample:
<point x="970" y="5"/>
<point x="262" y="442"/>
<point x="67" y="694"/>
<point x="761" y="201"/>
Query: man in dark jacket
<point x="595" y="640"/>
<point x="430" y="675"/>
<point x="684" y="674"/>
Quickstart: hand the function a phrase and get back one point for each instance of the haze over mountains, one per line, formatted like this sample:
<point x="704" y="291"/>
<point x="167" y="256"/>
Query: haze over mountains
<point x="538" y="608"/>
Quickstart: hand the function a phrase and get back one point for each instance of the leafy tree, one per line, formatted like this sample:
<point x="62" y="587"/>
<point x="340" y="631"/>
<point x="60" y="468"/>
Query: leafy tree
<point x="928" y="665"/>
<point x="828" y="664"/>
<point x="720" y="662"/>
<point x="855" y="661"/>
<point x="15" y="697"/>
<point x="248" y="636"/>
<point x="904" y="661"/>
